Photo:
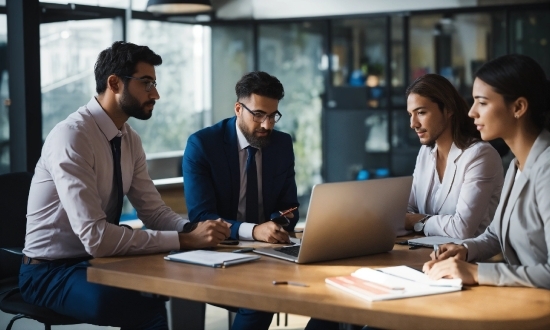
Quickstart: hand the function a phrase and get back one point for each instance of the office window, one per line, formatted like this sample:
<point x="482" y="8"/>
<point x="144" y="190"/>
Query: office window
<point x="294" y="54"/>
<point x="454" y="46"/>
<point x="404" y="140"/>
<point x="358" y="105"/>
<point x="359" y="48"/>
<point x="4" y="95"/>
<point x="397" y="62"/>
<point x="421" y="41"/>
<point x="184" y="82"/>
<point x="68" y="52"/>
<point x="232" y="57"/>
<point x="529" y="36"/>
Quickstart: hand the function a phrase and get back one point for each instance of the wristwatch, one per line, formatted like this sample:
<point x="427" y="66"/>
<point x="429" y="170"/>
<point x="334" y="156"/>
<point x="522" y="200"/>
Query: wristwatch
<point x="188" y="227"/>
<point x="419" y="226"/>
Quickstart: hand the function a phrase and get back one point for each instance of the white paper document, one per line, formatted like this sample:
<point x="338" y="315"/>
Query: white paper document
<point x="211" y="258"/>
<point x="392" y="283"/>
<point x="410" y="274"/>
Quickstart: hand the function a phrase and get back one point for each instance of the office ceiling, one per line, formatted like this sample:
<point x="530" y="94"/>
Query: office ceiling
<point x="277" y="9"/>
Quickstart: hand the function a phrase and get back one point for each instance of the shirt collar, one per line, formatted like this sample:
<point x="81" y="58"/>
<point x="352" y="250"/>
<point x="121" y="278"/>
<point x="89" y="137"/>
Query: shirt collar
<point x="243" y="142"/>
<point x="103" y="121"/>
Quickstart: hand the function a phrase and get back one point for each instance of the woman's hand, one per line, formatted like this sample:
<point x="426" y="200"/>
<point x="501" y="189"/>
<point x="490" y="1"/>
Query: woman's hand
<point x="453" y="268"/>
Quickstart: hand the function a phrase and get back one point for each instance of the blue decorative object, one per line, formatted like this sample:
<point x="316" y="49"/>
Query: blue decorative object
<point x="363" y="175"/>
<point x="382" y="172"/>
<point x="357" y="78"/>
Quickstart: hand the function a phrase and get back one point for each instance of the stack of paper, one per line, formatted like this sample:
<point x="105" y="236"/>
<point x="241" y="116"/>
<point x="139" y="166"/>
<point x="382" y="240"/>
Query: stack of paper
<point x="211" y="258"/>
<point x="392" y="283"/>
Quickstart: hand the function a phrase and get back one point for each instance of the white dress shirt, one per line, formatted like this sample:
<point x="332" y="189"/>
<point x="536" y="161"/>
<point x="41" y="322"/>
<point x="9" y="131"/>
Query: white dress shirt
<point x="72" y="193"/>
<point x="246" y="228"/>
<point x="469" y="193"/>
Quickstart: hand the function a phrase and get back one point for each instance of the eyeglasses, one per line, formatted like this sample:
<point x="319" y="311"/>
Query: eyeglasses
<point x="260" y="116"/>
<point x="147" y="82"/>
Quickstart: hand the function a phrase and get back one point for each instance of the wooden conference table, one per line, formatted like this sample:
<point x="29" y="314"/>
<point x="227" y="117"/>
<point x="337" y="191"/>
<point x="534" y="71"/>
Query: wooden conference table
<point x="250" y="286"/>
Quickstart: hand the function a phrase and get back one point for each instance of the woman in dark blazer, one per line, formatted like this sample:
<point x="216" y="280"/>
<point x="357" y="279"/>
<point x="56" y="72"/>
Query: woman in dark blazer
<point x="512" y="102"/>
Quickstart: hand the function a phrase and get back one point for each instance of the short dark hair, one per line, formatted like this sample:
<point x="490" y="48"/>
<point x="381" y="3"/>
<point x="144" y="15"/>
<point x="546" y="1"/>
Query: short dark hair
<point x="261" y="83"/>
<point x="440" y="91"/>
<point x="514" y="76"/>
<point x="121" y="59"/>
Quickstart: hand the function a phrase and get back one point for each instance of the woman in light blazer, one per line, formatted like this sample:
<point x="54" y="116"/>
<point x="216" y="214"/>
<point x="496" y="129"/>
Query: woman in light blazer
<point x="512" y="101"/>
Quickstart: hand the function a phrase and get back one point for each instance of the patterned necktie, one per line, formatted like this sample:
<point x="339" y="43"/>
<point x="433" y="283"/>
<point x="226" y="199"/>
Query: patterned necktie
<point x="117" y="177"/>
<point x="251" y="186"/>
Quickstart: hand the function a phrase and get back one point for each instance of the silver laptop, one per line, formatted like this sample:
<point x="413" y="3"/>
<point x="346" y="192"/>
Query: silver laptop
<point x="349" y="219"/>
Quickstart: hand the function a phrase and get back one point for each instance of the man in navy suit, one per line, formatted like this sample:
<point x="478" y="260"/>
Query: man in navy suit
<point x="242" y="170"/>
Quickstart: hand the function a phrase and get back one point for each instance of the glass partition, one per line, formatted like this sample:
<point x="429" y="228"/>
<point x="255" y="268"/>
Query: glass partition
<point x="397" y="62"/>
<point x="356" y="121"/>
<point x="184" y="82"/>
<point x="294" y="54"/>
<point x="404" y="141"/>
<point x="529" y="36"/>
<point x="455" y="46"/>
<point x="359" y="62"/>
<point x="4" y="96"/>
<point x="232" y="57"/>
<point x="421" y="42"/>
<point x="68" y="52"/>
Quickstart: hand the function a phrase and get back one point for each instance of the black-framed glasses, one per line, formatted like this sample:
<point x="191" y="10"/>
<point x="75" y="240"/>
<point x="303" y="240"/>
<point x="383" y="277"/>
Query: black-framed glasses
<point x="146" y="81"/>
<point x="260" y="116"/>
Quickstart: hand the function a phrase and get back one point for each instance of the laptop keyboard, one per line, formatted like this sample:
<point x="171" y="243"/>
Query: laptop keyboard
<point x="290" y="250"/>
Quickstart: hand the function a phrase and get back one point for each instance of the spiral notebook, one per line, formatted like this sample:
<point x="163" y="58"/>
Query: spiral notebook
<point x="211" y="258"/>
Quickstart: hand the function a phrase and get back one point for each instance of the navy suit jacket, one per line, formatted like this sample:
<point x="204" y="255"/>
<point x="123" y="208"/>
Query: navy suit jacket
<point x="212" y="176"/>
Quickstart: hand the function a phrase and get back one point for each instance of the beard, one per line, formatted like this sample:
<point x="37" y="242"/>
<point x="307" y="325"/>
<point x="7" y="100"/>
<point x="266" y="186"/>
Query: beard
<point x="435" y="135"/>
<point x="131" y="106"/>
<point x="256" y="141"/>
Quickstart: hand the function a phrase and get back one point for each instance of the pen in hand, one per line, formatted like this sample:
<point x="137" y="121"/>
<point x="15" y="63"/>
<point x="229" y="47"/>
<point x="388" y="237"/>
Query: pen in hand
<point x="436" y="251"/>
<point x="287" y="211"/>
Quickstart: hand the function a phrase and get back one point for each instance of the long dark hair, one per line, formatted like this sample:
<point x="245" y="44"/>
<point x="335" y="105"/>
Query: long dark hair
<point x="514" y="76"/>
<point x="440" y="91"/>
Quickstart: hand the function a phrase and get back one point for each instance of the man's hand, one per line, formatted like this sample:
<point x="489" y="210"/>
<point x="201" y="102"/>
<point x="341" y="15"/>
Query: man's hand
<point x="411" y="219"/>
<point x="207" y="234"/>
<point x="270" y="232"/>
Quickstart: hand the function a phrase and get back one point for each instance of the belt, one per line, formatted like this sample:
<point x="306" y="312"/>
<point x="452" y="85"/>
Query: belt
<point x="35" y="261"/>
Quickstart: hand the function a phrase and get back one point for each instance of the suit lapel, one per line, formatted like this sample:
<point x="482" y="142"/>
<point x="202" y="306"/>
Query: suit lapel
<point x="231" y="149"/>
<point x="509" y="195"/>
<point x="448" y="177"/>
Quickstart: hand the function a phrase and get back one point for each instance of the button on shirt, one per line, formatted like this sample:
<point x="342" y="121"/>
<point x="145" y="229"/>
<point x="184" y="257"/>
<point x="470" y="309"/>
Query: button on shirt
<point x="245" y="230"/>
<point x="72" y="193"/>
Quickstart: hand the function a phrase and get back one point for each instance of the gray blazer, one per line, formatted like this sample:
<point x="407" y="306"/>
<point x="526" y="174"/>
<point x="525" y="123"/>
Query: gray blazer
<point x="521" y="226"/>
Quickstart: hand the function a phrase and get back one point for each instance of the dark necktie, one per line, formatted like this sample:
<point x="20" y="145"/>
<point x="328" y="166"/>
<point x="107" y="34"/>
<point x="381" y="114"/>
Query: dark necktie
<point x="251" y="186"/>
<point x="117" y="177"/>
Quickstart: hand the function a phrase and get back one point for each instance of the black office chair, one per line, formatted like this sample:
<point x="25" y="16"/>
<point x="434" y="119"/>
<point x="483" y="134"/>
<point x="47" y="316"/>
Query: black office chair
<point x="14" y="192"/>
